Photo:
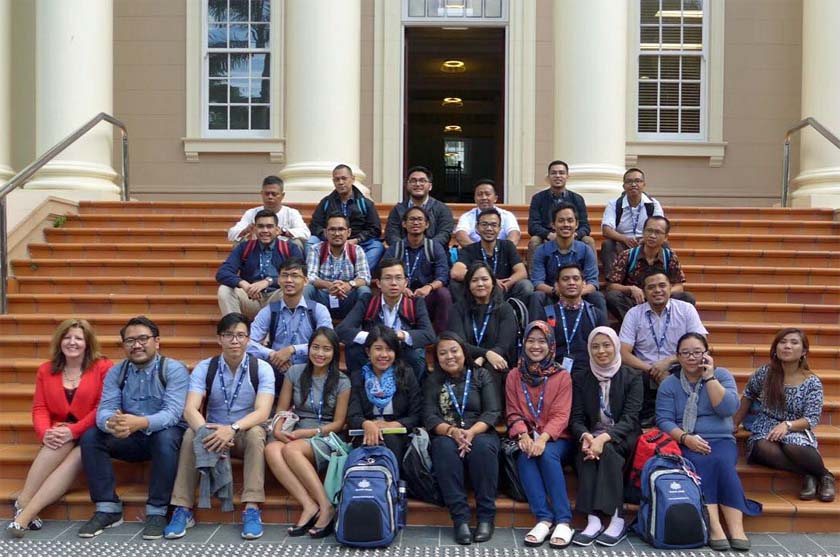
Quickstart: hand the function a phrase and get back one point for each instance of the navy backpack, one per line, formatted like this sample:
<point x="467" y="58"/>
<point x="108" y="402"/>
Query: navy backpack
<point x="672" y="511"/>
<point x="371" y="505"/>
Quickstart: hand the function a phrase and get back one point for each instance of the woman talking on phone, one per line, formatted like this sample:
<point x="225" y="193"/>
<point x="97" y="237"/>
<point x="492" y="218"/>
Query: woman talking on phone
<point x="695" y="406"/>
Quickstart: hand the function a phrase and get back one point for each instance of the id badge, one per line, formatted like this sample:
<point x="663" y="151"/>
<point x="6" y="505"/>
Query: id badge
<point x="334" y="302"/>
<point x="568" y="363"/>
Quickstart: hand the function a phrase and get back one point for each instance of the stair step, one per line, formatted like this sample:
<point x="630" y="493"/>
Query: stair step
<point x="766" y="293"/>
<point x="742" y="332"/>
<point x="763" y="313"/>
<point x="137" y="235"/>
<point x="138" y="252"/>
<point x="170" y="325"/>
<point x="114" y="285"/>
<point x="188" y="350"/>
<point x="190" y="268"/>
<point x="83" y="304"/>
<point x="711" y="274"/>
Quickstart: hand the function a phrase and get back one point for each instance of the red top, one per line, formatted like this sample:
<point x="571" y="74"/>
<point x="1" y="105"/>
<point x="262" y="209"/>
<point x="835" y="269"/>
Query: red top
<point x="556" y="410"/>
<point x="50" y="406"/>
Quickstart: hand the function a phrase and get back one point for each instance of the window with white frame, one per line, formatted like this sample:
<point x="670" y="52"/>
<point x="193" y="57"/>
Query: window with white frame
<point x="448" y="10"/>
<point x="672" y="69"/>
<point x="237" y="75"/>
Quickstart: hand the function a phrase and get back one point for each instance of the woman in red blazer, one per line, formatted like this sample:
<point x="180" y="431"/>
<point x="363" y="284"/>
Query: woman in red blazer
<point x="67" y="392"/>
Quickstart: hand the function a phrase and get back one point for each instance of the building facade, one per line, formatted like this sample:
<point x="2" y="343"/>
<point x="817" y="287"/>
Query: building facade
<point x="217" y="94"/>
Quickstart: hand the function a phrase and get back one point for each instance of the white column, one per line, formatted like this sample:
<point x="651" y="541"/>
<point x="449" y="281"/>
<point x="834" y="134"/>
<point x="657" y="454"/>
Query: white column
<point x="818" y="183"/>
<point x="74" y="82"/>
<point x="323" y="94"/>
<point x="590" y="61"/>
<point x="6" y="171"/>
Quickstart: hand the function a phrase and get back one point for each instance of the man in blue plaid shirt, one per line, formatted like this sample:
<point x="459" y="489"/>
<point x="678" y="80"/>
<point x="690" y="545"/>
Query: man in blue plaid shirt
<point x="338" y="272"/>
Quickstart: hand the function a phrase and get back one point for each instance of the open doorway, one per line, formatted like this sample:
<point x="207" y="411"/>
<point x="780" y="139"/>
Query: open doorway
<point x="454" y="107"/>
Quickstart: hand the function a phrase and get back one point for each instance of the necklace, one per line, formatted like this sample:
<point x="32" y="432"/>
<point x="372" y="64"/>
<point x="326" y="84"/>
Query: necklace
<point x="73" y="381"/>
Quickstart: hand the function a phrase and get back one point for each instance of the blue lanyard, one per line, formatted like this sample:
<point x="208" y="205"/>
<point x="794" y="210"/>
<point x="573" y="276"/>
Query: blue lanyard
<point x="560" y="258"/>
<point x="570" y="337"/>
<point x="480" y="336"/>
<point x="295" y="329"/>
<point x="603" y="404"/>
<point x="660" y="342"/>
<point x="536" y="413"/>
<point x="229" y="404"/>
<point x="412" y="268"/>
<point x="320" y="404"/>
<point x="335" y="265"/>
<point x="636" y="214"/>
<point x="460" y="408"/>
<point x="345" y="207"/>
<point x="495" y="256"/>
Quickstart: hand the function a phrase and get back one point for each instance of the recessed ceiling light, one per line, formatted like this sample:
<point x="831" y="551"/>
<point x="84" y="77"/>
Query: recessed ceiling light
<point x="452" y="102"/>
<point x="452" y="128"/>
<point x="453" y="66"/>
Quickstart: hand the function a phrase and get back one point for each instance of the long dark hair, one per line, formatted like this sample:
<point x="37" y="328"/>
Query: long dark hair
<point x="331" y="383"/>
<point x="455" y="337"/>
<point x="495" y="294"/>
<point x="389" y="337"/>
<point x="774" y="383"/>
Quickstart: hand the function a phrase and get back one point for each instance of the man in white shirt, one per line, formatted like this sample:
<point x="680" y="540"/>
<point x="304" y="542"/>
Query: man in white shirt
<point x="624" y="218"/>
<point x="290" y="222"/>
<point x="485" y="198"/>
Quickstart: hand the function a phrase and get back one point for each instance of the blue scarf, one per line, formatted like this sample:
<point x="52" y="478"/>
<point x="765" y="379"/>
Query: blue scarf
<point x="379" y="391"/>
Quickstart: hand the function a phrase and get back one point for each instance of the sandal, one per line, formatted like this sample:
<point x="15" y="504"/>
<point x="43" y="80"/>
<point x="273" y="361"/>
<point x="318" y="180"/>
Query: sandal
<point x="538" y="533"/>
<point x="563" y="533"/>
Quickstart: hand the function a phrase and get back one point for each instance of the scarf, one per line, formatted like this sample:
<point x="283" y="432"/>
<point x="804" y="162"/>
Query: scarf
<point x="690" y="413"/>
<point x="533" y="372"/>
<point x="379" y="391"/>
<point x="604" y="374"/>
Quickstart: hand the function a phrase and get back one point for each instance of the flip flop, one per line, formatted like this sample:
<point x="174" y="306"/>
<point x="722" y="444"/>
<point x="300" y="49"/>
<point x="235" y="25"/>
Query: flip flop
<point x="562" y="532"/>
<point x="539" y="533"/>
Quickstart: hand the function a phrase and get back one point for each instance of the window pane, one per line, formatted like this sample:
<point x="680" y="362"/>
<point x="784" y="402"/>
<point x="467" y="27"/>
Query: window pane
<point x="670" y="38"/>
<point x="650" y="36"/>
<point x="261" y="10"/>
<point x="670" y="67"/>
<point x="691" y="67"/>
<point x="647" y="94"/>
<point x="239" y="65"/>
<point x="668" y="121"/>
<point x="239" y="36"/>
<point x="492" y="8"/>
<point x="671" y="5"/>
<point x="239" y="117"/>
<point x="690" y="94"/>
<point x="217" y="36"/>
<point x="216" y="10"/>
<point x="218" y="91"/>
<point x="260" y="65"/>
<point x="416" y="8"/>
<point x="260" y="118"/>
<point x="647" y="121"/>
<point x="238" y="10"/>
<point x="260" y="90"/>
<point x="240" y="91"/>
<point x="434" y="8"/>
<point x="669" y="94"/>
<point x="693" y="35"/>
<point x="690" y="121"/>
<point x="648" y="67"/>
<point x="218" y="65"/>
<point x="259" y="36"/>
<point x="217" y="118"/>
<point x="693" y="6"/>
<point x="473" y="7"/>
<point x="649" y="9"/>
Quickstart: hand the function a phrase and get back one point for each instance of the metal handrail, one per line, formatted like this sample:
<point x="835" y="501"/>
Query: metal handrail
<point x="24" y="175"/>
<point x="809" y="121"/>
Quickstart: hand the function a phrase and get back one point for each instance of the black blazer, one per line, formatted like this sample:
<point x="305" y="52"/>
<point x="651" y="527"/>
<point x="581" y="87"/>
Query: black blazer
<point x="500" y="336"/>
<point x="421" y="332"/>
<point x="625" y="403"/>
<point x="482" y="400"/>
<point x="407" y="402"/>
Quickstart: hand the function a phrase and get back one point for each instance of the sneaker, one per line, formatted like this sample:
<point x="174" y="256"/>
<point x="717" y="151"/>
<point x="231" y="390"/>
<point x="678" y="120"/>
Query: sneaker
<point x="98" y="522"/>
<point x="35" y="524"/>
<point x="251" y="524"/>
<point x="153" y="530"/>
<point x="15" y="529"/>
<point x="182" y="518"/>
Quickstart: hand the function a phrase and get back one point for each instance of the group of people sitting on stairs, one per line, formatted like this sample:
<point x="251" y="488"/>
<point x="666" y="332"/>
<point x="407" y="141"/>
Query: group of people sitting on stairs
<point x="534" y="358"/>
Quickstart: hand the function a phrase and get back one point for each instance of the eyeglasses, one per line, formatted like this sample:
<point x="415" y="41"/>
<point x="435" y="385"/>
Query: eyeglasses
<point x="418" y="182"/>
<point x="488" y="225"/>
<point x="635" y="182"/>
<point x="286" y="276"/>
<point x="389" y="278"/>
<point x="691" y="353"/>
<point x="228" y="336"/>
<point x="651" y="232"/>
<point x="142" y="339"/>
<point x="336" y="230"/>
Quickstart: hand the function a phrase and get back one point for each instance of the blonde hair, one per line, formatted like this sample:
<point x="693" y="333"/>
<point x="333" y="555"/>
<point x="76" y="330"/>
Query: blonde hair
<point x="91" y="344"/>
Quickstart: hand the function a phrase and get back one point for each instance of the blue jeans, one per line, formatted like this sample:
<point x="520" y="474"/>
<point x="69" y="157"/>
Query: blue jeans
<point x="344" y="306"/>
<point x="415" y="357"/>
<point x="373" y="249"/>
<point x="161" y="447"/>
<point x="542" y="479"/>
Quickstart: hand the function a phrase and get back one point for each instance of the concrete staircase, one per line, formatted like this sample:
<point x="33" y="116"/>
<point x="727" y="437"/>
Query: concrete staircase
<point x="753" y="271"/>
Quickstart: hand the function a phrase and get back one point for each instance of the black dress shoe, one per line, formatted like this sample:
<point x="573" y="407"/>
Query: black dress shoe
<point x="297" y="531"/>
<point x="322" y="532"/>
<point x="827" y="488"/>
<point x="809" y="488"/>
<point x="462" y="534"/>
<point x="483" y="532"/>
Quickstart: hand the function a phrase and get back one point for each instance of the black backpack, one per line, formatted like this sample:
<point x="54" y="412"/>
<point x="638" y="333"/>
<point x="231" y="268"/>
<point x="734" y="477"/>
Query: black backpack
<point x="420" y="481"/>
<point x="619" y="210"/>
<point x="521" y="313"/>
<point x="275" y="318"/>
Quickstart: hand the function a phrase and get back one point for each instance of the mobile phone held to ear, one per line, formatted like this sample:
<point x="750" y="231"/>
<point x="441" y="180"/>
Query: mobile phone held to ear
<point x="705" y="360"/>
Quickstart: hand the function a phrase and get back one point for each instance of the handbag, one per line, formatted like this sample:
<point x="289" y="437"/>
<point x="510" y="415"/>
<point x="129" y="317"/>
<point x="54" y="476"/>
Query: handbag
<point x="511" y="484"/>
<point x="290" y="419"/>
<point x="335" y="470"/>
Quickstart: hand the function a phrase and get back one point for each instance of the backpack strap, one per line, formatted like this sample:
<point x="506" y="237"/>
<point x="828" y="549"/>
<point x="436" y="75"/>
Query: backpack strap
<point x="123" y="374"/>
<point x="551" y="315"/>
<point x="666" y="257"/>
<point x="310" y="312"/>
<point x="324" y="249"/>
<point x="273" y="321"/>
<point x="590" y="311"/>
<point x="429" y="249"/>
<point x="361" y="203"/>
<point x="649" y="208"/>
<point x="373" y="308"/>
<point x="253" y="372"/>
<point x="350" y="250"/>
<point x="631" y="263"/>
<point x="283" y="248"/>
<point x="619" y="210"/>
<point x="161" y="372"/>
<point x="212" y="370"/>
<point x="249" y="247"/>
<point x="399" y="248"/>
<point x="408" y="310"/>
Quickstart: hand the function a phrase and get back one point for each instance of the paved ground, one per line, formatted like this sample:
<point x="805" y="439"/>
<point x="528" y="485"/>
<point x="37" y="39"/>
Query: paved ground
<point x="59" y="539"/>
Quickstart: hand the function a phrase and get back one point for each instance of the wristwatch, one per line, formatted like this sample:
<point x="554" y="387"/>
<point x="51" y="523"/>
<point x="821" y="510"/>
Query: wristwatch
<point x="789" y="425"/>
<point x="235" y="427"/>
<point x="270" y="280"/>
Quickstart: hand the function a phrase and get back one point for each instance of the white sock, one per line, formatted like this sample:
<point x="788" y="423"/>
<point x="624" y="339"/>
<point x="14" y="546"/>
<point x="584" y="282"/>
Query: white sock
<point x="593" y="525"/>
<point x="616" y="525"/>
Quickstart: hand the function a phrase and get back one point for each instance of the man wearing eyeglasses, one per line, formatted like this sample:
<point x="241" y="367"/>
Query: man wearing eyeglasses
<point x="540" y="224"/>
<point x="624" y="283"/>
<point x="290" y="222"/>
<point x="248" y="277"/>
<point x="649" y="335"/>
<point x="138" y="419"/>
<point x="417" y="186"/>
<point x="229" y="398"/>
<point x="624" y="218"/>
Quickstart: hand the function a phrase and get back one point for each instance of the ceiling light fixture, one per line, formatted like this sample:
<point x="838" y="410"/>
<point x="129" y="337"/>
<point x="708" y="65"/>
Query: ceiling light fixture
<point x="452" y="128"/>
<point x="455" y="102"/>
<point x="453" y="66"/>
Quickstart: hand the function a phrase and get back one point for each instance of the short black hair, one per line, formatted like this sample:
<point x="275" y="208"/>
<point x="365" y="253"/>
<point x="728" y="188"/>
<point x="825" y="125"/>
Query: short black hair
<point x="658" y="217"/>
<point x="654" y="271"/>
<point x="344" y="166"/>
<point x="143" y="321"/>
<point x="555" y="162"/>
<point x="272" y="181"/>
<point x="386" y="262"/>
<point x="293" y="263"/>
<point x="569" y="266"/>
<point x="266" y="213"/>
<point x="486" y="182"/>
<point x="563" y="206"/>
<point x="633" y="169"/>
<point x="415" y="208"/>
<point x="422" y="169"/>
<point x="338" y="215"/>
<point x="490" y="211"/>
<point x="230" y="321"/>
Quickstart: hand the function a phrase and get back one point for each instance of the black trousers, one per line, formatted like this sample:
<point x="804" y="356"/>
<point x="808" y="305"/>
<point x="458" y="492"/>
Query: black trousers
<point x="483" y="464"/>
<point x="601" y="482"/>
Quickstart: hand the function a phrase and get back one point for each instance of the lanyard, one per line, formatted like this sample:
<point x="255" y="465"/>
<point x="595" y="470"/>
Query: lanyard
<point x="395" y="313"/>
<point x="320" y="404"/>
<point x="479" y="336"/>
<point x="460" y="408"/>
<point x="411" y="268"/>
<point x="603" y="405"/>
<point x="660" y="342"/>
<point x="289" y="332"/>
<point x="636" y="214"/>
<point x="345" y="207"/>
<point x="561" y="258"/>
<point x="536" y="413"/>
<point x="570" y="337"/>
<point x="335" y="265"/>
<point x="495" y="256"/>
<point x="229" y="403"/>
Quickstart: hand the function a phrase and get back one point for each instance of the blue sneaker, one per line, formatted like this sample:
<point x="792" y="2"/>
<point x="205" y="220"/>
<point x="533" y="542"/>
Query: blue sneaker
<point x="251" y="524"/>
<point x="182" y="518"/>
